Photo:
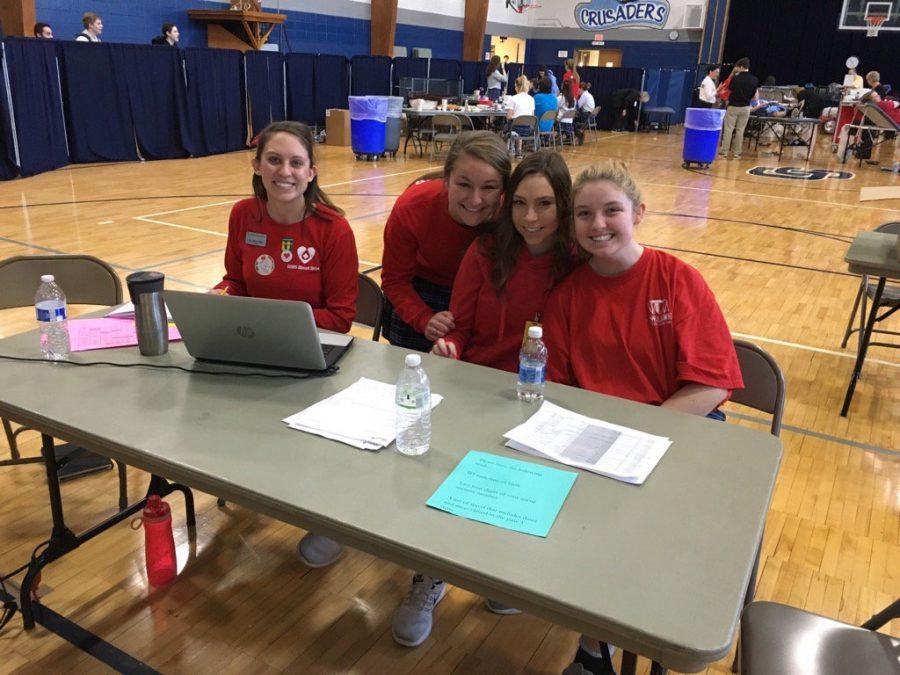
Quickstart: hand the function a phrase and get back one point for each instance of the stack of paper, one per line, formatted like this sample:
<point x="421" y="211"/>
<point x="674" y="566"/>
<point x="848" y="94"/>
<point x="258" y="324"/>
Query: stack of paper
<point x="362" y="415"/>
<point x="88" y="334"/>
<point x="126" y="311"/>
<point x="610" y="450"/>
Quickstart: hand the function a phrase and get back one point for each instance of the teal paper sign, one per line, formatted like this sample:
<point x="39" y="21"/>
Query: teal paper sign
<point x="508" y="493"/>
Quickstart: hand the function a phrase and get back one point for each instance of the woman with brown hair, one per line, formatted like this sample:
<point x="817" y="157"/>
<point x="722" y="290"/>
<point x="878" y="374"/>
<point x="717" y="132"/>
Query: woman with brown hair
<point x="571" y="75"/>
<point x="496" y="78"/>
<point x="508" y="273"/>
<point x="290" y="241"/>
<point x="429" y="229"/>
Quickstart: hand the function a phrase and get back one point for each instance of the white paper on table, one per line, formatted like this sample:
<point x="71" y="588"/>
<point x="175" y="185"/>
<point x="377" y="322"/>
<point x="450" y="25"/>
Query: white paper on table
<point x="362" y="415"/>
<point x="126" y="311"/>
<point x="608" y="449"/>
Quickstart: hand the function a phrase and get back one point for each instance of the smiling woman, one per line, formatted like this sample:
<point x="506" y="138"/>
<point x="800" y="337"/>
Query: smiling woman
<point x="289" y="241"/>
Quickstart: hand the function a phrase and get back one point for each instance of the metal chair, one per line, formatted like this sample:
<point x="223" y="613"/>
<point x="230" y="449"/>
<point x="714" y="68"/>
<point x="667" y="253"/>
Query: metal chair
<point x="86" y="281"/>
<point x="548" y="116"/>
<point x="531" y="122"/>
<point x="890" y="298"/>
<point x="370" y="305"/>
<point x="782" y="640"/>
<point x="566" y="125"/>
<point x="592" y="122"/>
<point x="466" y="122"/>
<point x="446" y="129"/>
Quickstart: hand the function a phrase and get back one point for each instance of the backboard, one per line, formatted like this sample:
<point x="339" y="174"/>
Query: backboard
<point x="854" y="13"/>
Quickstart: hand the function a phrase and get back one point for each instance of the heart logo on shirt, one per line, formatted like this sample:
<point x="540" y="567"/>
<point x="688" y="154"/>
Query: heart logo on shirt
<point x="305" y="254"/>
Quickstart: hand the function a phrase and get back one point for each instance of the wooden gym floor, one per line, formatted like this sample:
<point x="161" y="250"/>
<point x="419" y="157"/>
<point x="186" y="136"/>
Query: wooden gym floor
<point x="772" y="250"/>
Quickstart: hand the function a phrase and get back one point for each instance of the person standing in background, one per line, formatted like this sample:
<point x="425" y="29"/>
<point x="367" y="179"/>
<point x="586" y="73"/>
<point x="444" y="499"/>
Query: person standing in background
<point x="93" y="27"/>
<point x="43" y="30"/>
<point x="169" y="37"/>
<point x="496" y="78"/>
<point x="743" y="90"/>
<point x="708" y="88"/>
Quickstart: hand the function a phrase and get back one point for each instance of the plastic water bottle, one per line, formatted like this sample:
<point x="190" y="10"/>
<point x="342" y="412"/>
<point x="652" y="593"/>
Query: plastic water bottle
<point x="413" y="408"/>
<point x="532" y="366"/>
<point x="159" y="542"/>
<point x="51" y="311"/>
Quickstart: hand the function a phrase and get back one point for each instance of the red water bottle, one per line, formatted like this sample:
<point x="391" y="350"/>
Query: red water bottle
<point x="159" y="544"/>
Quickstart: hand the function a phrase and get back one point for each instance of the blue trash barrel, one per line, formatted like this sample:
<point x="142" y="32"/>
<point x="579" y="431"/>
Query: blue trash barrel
<point x="392" y="125"/>
<point x="367" y="123"/>
<point x="702" y="129"/>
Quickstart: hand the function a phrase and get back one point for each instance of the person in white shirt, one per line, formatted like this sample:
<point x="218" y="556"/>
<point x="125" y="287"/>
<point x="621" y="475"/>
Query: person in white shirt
<point x="520" y="104"/>
<point x="585" y="106"/>
<point x="93" y="26"/>
<point x="708" y="87"/>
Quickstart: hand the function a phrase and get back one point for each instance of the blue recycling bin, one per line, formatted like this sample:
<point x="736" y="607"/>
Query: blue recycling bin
<point x="702" y="130"/>
<point x="367" y="125"/>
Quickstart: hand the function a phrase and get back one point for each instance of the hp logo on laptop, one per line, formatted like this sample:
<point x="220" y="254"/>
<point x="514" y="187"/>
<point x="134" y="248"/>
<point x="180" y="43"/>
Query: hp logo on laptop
<point x="246" y="332"/>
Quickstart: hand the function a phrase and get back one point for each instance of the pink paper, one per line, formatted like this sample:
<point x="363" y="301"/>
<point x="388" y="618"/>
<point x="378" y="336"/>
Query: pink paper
<point x="87" y="334"/>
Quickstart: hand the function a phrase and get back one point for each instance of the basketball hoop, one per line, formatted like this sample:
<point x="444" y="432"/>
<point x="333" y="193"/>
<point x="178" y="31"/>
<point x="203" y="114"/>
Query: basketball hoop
<point x="874" y="23"/>
<point x="520" y="6"/>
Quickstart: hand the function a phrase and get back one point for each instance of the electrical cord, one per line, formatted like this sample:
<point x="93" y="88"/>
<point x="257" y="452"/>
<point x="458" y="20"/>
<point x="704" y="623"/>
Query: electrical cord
<point x="299" y="375"/>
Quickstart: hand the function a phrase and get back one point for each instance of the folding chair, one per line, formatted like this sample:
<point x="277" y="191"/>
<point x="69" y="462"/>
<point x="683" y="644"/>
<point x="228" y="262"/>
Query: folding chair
<point x="782" y="640"/>
<point x="86" y="281"/>
<point x="548" y="116"/>
<point x="592" y="122"/>
<point x="566" y="125"/>
<point x="445" y="129"/>
<point x="533" y="136"/>
<point x="370" y="305"/>
<point x="890" y="298"/>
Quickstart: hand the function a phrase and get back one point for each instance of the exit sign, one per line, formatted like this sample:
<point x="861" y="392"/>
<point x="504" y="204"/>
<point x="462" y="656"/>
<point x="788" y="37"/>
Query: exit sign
<point x="598" y="37"/>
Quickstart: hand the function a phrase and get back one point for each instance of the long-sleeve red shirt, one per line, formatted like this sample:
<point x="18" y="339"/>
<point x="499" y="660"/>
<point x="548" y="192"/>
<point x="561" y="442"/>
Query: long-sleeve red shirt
<point x="421" y="240"/>
<point x="314" y="261"/>
<point x="490" y="327"/>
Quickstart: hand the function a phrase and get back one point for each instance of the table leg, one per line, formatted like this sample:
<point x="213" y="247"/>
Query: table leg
<point x="863" y="346"/>
<point x="63" y="540"/>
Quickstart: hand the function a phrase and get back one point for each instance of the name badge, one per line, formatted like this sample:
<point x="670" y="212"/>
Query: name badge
<point x="255" y="239"/>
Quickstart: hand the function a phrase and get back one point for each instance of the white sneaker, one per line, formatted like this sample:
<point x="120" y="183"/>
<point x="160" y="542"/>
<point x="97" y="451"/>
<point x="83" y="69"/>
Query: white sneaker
<point x="413" y="618"/>
<point x="318" y="551"/>
<point x="498" y="607"/>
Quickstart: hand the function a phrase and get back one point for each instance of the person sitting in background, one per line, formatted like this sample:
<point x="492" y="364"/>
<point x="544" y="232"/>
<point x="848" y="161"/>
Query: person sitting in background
<point x="546" y="72"/>
<point x="852" y="81"/>
<point x="93" y="27"/>
<point x="544" y="101"/>
<point x="43" y="30"/>
<point x="169" y="36"/>
<point x="585" y="106"/>
<point x="707" y="91"/>
<point x="890" y="106"/>
<point x="811" y="104"/>
<point x="520" y="104"/>
<point x="873" y="79"/>
<point x="566" y="104"/>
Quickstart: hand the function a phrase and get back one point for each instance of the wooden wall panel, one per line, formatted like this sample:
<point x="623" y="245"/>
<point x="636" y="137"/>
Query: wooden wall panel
<point x="18" y="17"/>
<point x="473" y="29"/>
<point x="384" y="27"/>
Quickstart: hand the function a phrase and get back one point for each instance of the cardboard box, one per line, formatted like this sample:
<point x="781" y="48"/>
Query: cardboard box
<point x="337" y="127"/>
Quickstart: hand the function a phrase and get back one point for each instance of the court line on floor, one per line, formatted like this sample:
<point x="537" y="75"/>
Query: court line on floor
<point x="816" y="434"/>
<point x="818" y="350"/>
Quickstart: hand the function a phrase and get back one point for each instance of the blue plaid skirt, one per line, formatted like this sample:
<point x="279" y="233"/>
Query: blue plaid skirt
<point x="401" y="334"/>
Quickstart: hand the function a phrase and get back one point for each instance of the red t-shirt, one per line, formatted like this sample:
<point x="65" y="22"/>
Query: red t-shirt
<point x="314" y="261"/>
<point x="576" y="88"/>
<point x="421" y="240"/>
<point x="891" y="108"/>
<point x="641" y="335"/>
<point x="489" y="328"/>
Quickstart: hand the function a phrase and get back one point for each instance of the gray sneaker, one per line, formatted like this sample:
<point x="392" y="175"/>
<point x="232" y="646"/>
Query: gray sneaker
<point x="413" y="618"/>
<point x="498" y="607"/>
<point x="318" y="551"/>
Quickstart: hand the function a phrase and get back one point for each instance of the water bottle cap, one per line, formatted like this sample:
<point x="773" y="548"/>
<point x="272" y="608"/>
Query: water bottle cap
<point x="535" y="332"/>
<point x="48" y="278"/>
<point x="413" y="360"/>
<point x="155" y="507"/>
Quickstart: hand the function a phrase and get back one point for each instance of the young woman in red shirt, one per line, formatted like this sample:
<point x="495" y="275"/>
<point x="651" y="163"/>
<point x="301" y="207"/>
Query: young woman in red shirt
<point x="572" y="74"/>
<point x="429" y="229"/>
<point x="507" y="274"/>
<point x="290" y="241"/>
<point x="634" y="322"/>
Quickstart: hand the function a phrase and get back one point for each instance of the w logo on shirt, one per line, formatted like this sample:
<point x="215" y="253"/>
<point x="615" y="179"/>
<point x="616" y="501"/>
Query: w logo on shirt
<point x="659" y="312"/>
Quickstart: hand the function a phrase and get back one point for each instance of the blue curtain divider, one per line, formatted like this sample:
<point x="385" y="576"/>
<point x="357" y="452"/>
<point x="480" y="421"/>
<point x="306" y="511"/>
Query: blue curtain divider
<point x="265" y="88"/>
<point x="301" y="89"/>
<point x="605" y="81"/>
<point x="370" y="75"/>
<point x="442" y="69"/>
<point x="672" y="88"/>
<point x="36" y="104"/>
<point x="215" y="101"/>
<point x="331" y="84"/>
<point x="153" y="82"/>
<point x="473" y="75"/>
<point x="98" y="114"/>
<point x="408" y="67"/>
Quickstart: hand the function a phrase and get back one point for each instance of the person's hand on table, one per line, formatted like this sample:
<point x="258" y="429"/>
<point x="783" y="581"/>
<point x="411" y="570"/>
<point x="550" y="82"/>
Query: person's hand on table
<point x="445" y="348"/>
<point x="439" y="325"/>
<point x="217" y="291"/>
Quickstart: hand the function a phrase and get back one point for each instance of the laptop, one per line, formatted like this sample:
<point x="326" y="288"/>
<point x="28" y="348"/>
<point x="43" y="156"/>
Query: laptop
<point x="254" y="331"/>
